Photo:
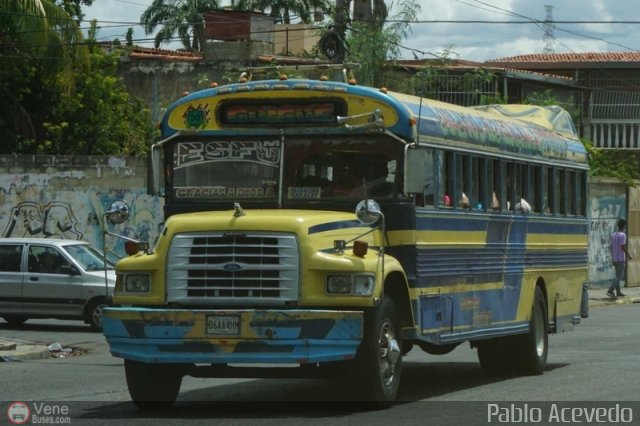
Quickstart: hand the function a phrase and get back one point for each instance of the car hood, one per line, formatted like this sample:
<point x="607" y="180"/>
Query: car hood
<point x="99" y="275"/>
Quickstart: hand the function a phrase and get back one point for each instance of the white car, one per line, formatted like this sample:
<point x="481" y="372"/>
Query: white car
<point x="53" y="278"/>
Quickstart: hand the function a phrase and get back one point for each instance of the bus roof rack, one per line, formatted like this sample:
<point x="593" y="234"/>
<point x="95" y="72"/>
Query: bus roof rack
<point x="338" y="72"/>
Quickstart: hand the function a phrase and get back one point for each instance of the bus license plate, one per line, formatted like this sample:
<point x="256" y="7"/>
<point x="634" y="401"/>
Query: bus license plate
<point x="228" y="325"/>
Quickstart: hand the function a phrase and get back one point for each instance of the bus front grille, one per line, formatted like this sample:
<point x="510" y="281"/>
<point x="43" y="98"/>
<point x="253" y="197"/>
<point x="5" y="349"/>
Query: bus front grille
<point x="248" y="268"/>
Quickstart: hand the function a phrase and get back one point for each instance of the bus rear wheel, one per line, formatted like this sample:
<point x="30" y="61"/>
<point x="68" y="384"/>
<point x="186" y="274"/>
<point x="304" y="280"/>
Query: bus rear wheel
<point x="524" y="354"/>
<point x="152" y="386"/>
<point x="531" y="349"/>
<point x="380" y="355"/>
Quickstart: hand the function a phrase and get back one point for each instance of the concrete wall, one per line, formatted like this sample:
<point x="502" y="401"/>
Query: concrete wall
<point x="65" y="196"/>
<point x="608" y="200"/>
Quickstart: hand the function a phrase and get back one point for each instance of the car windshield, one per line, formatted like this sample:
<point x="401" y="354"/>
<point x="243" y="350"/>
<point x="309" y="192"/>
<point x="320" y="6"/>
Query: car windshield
<point x="89" y="258"/>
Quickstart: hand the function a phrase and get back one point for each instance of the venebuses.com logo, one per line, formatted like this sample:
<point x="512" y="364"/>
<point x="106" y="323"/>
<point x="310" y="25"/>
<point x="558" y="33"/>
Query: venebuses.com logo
<point x="20" y="413"/>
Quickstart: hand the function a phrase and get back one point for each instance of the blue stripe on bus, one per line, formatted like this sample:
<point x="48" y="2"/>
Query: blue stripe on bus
<point x="536" y="225"/>
<point x="444" y="266"/>
<point x="330" y="226"/>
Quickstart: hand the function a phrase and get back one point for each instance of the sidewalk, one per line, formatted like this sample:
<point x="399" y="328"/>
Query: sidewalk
<point x="18" y="350"/>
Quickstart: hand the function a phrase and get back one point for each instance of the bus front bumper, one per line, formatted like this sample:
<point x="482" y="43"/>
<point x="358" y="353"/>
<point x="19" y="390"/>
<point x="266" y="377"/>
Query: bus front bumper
<point x="232" y="336"/>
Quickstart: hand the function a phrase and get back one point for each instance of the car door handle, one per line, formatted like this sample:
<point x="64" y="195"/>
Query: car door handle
<point x="32" y="278"/>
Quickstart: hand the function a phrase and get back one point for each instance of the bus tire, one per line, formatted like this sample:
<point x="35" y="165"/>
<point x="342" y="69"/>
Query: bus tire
<point x="379" y="359"/>
<point x="531" y="349"/>
<point x="152" y="386"/>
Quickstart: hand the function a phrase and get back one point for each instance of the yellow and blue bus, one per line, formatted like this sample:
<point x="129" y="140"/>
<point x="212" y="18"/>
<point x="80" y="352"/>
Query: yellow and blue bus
<point x="335" y="227"/>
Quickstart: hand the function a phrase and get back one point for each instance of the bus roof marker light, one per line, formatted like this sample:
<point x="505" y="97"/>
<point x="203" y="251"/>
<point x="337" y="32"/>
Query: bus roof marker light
<point x="244" y="77"/>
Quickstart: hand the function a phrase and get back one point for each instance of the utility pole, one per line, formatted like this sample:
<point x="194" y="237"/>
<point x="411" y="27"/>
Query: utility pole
<point x="549" y="26"/>
<point x="362" y="10"/>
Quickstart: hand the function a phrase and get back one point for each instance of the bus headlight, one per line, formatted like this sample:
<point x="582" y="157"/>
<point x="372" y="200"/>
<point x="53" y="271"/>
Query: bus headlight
<point x="339" y="284"/>
<point x="363" y="285"/>
<point x="137" y="283"/>
<point x="357" y="284"/>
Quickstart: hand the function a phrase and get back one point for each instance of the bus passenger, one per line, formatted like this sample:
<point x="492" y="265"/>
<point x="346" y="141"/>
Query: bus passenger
<point x="495" y="204"/>
<point x="464" y="201"/>
<point x="523" y="206"/>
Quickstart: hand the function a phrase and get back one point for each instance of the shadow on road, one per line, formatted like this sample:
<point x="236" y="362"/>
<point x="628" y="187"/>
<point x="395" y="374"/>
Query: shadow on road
<point x="301" y="398"/>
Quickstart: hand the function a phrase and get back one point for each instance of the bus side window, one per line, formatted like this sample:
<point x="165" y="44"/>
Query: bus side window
<point x="552" y="192"/>
<point x="571" y="192"/>
<point x="446" y="176"/>
<point x="580" y="193"/>
<point x="533" y="184"/>
<point x="477" y="192"/>
<point x="429" y="181"/>
<point x="499" y="187"/>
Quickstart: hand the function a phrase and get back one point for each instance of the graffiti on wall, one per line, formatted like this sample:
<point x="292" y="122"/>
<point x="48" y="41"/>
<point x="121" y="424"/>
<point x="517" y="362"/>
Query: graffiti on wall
<point x="605" y="212"/>
<point x="33" y="211"/>
<point x="51" y="220"/>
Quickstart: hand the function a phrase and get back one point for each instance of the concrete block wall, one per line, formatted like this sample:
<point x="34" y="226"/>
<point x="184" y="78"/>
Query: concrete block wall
<point x="66" y="197"/>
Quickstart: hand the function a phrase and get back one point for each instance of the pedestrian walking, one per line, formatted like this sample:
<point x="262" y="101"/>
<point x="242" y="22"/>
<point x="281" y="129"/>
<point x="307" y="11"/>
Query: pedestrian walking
<point x="619" y="255"/>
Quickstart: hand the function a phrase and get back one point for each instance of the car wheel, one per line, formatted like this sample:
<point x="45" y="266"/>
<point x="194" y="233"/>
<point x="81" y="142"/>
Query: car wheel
<point x="152" y="386"/>
<point x="15" y="319"/>
<point x="93" y="313"/>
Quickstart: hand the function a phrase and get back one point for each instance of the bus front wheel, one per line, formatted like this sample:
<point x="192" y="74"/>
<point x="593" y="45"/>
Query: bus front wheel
<point x="380" y="354"/>
<point x="152" y="386"/>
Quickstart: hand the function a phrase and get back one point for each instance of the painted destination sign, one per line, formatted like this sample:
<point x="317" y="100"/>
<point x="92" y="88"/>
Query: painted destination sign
<point x="255" y="113"/>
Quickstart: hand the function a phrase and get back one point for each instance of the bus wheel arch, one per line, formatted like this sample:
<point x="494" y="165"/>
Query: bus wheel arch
<point x="395" y="287"/>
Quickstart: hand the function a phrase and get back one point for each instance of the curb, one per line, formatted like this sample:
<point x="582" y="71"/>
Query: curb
<point x="18" y="351"/>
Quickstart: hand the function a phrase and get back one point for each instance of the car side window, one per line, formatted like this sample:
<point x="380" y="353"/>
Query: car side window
<point x="10" y="257"/>
<point x="46" y="260"/>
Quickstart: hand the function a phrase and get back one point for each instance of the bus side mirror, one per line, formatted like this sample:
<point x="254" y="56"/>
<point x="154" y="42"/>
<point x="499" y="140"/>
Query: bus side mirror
<point x="368" y="212"/>
<point x="118" y="212"/>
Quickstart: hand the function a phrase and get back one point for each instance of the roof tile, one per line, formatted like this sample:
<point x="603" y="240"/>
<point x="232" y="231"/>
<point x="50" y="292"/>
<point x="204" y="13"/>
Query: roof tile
<point x="570" y="57"/>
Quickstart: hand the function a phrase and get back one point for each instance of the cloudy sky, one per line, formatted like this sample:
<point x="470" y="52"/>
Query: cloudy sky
<point x="476" y="30"/>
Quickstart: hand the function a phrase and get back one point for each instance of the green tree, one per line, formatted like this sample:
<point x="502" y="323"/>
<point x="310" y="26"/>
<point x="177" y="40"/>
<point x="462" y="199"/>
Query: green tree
<point x="41" y="49"/>
<point x="74" y="8"/>
<point x="373" y="43"/>
<point x="182" y="17"/>
<point x="101" y="118"/>
<point x="283" y="10"/>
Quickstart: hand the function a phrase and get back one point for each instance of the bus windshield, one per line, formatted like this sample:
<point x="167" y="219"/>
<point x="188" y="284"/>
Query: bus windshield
<point x="314" y="168"/>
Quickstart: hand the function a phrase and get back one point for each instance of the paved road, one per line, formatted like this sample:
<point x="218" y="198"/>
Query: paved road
<point x="598" y="362"/>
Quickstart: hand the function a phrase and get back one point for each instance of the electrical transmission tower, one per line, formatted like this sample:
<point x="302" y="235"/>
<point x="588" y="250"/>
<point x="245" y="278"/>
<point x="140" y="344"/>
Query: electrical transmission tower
<point x="549" y="26"/>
